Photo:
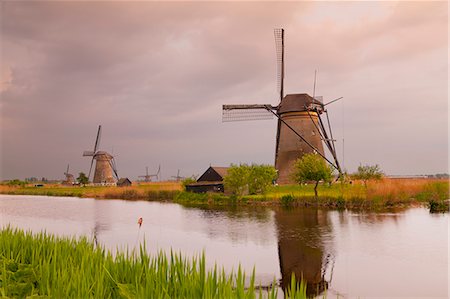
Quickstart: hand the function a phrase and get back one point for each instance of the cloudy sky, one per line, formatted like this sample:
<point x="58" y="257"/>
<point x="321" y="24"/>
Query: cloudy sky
<point x="155" y="75"/>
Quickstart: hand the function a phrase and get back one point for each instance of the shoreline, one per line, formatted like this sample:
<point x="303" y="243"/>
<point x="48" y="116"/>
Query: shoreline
<point x="378" y="195"/>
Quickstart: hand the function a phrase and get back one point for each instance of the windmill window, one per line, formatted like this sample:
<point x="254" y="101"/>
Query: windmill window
<point x="313" y="133"/>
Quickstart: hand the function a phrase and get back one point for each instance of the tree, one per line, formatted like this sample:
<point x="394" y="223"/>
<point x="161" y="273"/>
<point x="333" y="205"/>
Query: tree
<point x="252" y="179"/>
<point x="260" y="178"/>
<point x="368" y="172"/>
<point x="82" y="178"/>
<point x="312" y="167"/>
<point x="236" y="179"/>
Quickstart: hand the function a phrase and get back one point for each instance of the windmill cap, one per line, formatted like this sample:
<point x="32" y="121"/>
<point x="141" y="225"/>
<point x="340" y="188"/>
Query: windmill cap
<point x="103" y="153"/>
<point x="296" y="103"/>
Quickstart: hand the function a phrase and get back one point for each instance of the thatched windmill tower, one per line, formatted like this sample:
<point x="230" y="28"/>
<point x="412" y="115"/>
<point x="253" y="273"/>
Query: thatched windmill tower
<point x="105" y="166"/>
<point x="300" y="129"/>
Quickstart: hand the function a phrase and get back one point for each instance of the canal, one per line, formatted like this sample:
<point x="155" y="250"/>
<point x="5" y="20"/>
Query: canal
<point x="395" y="254"/>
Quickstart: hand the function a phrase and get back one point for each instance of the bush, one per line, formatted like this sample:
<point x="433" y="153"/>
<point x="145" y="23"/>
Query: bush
<point x="287" y="200"/>
<point x="187" y="181"/>
<point x="254" y="179"/>
<point x="368" y="172"/>
<point x="312" y="167"/>
<point x="17" y="183"/>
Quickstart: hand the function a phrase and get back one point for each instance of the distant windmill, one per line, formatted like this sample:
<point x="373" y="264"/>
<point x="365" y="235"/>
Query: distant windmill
<point x="105" y="166"/>
<point x="148" y="177"/>
<point x="178" y="177"/>
<point x="300" y="127"/>
<point x="70" y="179"/>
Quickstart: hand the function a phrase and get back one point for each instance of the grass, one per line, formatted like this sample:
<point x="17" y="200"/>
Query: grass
<point x="145" y="191"/>
<point x="386" y="193"/>
<point x="43" y="265"/>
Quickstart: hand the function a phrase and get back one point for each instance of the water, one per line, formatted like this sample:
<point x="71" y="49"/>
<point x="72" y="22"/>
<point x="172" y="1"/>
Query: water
<point x="361" y="255"/>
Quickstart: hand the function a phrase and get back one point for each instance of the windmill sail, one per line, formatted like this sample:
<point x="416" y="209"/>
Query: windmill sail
<point x="246" y="112"/>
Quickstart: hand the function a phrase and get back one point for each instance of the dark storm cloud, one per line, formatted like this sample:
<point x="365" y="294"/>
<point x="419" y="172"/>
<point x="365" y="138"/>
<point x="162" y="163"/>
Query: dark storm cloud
<point x="156" y="74"/>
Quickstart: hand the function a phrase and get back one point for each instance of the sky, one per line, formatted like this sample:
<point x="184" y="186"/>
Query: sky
<point x="155" y="76"/>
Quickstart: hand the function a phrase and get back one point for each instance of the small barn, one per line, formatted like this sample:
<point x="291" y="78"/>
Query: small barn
<point x="210" y="181"/>
<point x="123" y="182"/>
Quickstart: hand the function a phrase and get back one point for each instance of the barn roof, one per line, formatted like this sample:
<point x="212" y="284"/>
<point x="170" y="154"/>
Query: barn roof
<point x="222" y="171"/>
<point x="122" y="180"/>
<point x="213" y="173"/>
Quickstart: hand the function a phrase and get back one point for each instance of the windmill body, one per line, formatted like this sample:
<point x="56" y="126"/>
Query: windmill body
<point x="70" y="178"/>
<point x="300" y="129"/>
<point x="105" y="166"/>
<point x="293" y="111"/>
<point x="103" y="169"/>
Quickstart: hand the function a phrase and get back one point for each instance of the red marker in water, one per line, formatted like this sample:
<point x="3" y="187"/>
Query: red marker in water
<point x="140" y="221"/>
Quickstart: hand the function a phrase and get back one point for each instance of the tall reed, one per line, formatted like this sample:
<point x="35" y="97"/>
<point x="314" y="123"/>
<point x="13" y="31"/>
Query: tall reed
<point x="43" y="265"/>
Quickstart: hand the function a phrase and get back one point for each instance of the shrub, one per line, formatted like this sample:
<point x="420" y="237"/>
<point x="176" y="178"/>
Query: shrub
<point x="368" y="172"/>
<point x="252" y="179"/>
<point x="312" y="167"/>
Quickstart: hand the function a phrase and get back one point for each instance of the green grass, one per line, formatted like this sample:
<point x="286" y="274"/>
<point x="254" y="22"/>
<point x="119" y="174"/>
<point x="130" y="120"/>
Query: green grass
<point x="379" y="195"/>
<point x="43" y="265"/>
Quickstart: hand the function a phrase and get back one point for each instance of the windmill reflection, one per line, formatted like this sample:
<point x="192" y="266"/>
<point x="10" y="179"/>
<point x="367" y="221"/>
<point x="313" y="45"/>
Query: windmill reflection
<point x="301" y="248"/>
<point x="101" y="219"/>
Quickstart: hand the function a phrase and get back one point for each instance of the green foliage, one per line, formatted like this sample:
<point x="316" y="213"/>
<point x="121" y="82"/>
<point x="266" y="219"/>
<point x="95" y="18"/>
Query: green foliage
<point x="42" y="265"/>
<point x="17" y="183"/>
<point x="287" y="200"/>
<point x="82" y="178"/>
<point x="260" y="178"/>
<point x="187" y="181"/>
<point x="368" y="172"/>
<point x="312" y="167"/>
<point x="253" y="179"/>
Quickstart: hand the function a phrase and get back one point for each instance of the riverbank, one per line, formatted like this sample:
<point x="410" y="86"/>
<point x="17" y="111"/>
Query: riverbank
<point x="44" y="265"/>
<point x="384" y="194"/>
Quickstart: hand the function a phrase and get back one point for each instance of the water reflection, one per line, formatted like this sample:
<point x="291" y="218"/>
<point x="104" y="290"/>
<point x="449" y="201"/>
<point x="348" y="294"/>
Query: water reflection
<point x="302" y="235"/>
<point x="404" y="253"/>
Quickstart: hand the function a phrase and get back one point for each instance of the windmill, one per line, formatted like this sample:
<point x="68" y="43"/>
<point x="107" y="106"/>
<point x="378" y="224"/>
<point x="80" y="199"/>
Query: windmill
<point x="70" y="179"/>
<point x="300" y="128"/>
<point x="105" y="166"/>
<point x="148" y="177"/>
<point x="178" y="177"/>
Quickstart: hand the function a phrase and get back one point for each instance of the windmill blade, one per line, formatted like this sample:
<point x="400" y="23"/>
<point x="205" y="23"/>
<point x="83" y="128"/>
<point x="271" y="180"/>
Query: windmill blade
<point x="246" y="112"/>
<point x="88" y="153"/>
<point x="112" y="163"/>
<point x="279" y="46"/>
<point x="90" y="168"/>
<point x="333" y="101"/>
<point x="67" y="171"/>
<point x="97" y="140"/>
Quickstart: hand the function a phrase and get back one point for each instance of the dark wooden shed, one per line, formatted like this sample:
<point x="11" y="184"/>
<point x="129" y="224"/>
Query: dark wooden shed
<point x="210" y="181"/>
<point x="123" y="182"/>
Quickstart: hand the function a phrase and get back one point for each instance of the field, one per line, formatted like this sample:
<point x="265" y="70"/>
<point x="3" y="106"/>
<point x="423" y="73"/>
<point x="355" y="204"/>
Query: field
<point x="386" y="193"/>
<point x="45" y="266"/>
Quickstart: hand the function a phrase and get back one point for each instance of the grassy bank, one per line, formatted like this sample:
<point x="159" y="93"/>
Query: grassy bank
<point x="42" y="265"/>
<point x="387" y="193"/>
<point x="144" y="191"/>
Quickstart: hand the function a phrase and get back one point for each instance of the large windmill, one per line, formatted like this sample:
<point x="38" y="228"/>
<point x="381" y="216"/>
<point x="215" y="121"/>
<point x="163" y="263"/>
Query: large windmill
<point x="148" y="177"/>
<point x="105" y="166"/>
<point x="300" y="129"/>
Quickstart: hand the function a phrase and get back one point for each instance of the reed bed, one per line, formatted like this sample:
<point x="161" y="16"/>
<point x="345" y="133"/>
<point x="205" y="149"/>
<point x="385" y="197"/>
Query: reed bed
<point x="43" y="265"/>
